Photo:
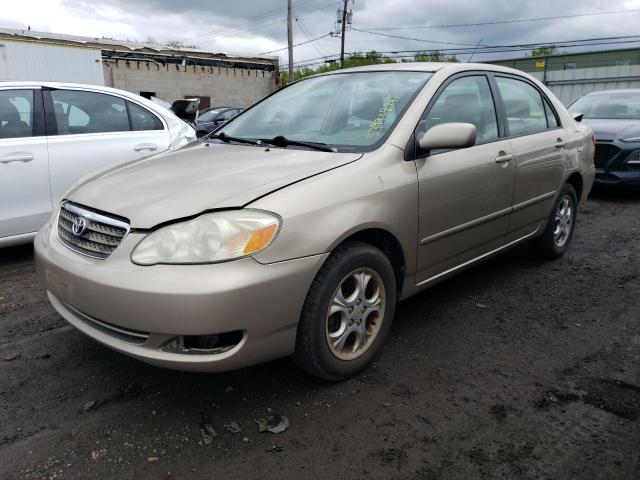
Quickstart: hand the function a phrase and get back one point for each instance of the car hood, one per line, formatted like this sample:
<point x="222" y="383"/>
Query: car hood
<point x="197" y="178"/>
<point x="611" y="129"/>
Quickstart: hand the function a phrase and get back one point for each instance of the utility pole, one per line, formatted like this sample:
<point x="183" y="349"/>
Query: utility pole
<point x="290" y="37"/>
<point x="344" y="28"/>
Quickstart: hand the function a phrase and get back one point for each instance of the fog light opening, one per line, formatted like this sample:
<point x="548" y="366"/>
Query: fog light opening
<point x="214" y="344"/>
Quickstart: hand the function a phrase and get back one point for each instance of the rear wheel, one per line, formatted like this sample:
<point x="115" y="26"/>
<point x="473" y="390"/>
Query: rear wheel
<point x="560" y="226"/>
<point x="347" y="313"/>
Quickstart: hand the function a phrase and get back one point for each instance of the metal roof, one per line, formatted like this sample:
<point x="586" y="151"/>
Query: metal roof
<point x="128" y="46"/>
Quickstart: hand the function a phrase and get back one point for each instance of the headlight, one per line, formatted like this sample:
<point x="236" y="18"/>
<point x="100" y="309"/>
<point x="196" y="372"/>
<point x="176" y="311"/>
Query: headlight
<point x="634" y="157"/>
<point x="631" y="139"/>
<point x="212" y="237"/>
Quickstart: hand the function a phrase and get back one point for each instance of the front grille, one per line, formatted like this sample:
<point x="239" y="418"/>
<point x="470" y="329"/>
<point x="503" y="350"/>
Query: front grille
<point x="95" y="235"/>
<point x="605" y="153"/>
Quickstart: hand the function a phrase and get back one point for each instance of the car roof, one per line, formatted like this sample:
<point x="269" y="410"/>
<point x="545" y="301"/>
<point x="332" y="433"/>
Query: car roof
<point x="430" y="67"/>
<point x="618" y="90"/>
<point x="159" y="109"/>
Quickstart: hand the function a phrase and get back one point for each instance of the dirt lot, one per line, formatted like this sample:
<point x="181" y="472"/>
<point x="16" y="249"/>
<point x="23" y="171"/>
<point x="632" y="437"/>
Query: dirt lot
<point x="514" y="369"/>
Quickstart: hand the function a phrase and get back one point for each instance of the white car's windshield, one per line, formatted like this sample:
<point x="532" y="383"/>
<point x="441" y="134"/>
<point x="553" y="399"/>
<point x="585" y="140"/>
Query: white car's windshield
<point x="350" y="111"/>
<point x="614" y="105"/>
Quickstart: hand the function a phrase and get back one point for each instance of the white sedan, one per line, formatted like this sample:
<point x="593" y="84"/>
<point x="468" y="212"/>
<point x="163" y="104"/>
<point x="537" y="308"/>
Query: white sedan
<point x="52" y="134"/>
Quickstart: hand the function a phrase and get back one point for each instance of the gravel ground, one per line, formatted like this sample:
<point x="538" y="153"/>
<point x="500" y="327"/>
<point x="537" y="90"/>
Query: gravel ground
<point x="513" y="369"/>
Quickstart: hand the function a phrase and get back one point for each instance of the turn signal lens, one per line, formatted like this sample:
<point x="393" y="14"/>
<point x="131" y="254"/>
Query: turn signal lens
<point x="260" y="239"/>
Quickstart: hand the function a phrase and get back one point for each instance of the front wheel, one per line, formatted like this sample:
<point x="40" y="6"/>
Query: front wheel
<point x="560" y="226"/>
<point x="347" y="313"/>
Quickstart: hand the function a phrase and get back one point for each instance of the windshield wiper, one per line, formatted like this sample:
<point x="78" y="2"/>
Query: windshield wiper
<point x="226" y="138"/>
<point x="282" y="141"/>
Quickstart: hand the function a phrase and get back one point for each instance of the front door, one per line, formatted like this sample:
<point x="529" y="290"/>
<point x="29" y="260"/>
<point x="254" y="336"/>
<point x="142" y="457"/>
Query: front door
<point x="25" y="197"/>
<point x="464" y="195"/>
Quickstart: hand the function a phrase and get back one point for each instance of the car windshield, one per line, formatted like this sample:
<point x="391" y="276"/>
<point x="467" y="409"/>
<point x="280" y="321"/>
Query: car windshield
<point x="349" y="111"/>
<point x="614" y="105"/>
<point x="208" y="116"/>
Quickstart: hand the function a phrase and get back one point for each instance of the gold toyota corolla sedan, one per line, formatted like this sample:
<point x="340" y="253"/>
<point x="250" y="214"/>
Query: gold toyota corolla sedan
<point x="295" y="228"/>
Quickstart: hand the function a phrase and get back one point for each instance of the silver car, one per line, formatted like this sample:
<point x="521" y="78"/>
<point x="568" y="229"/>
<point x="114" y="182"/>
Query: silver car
<point x="52" y="134"/>
<point x="297" y="227"/>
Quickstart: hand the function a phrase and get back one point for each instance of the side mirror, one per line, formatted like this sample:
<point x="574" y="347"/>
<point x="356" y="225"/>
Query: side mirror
<point x="448" y="136"/>
<point x="577" y="116"/>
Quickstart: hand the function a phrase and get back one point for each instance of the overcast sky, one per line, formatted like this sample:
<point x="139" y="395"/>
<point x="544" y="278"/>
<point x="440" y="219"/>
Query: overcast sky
<point x="260" y="26"/>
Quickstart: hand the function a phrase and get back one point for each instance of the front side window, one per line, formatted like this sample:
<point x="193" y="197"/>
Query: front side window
<point x="88" y="112"/>
<point x="16" y="113"/>
<point x="350" y="111"/>
<point x="467" y="100"/>
<point x="523" y="105"/>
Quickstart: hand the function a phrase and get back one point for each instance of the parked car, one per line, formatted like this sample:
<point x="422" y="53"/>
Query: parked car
<point x="210" y="119"/>
<point x="298" y="226"/>
<point x="614" y="116"/>
<point x="52" y="134"/>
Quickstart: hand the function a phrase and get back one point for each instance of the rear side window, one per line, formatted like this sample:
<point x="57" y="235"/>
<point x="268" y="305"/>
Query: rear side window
<point x="88" y="112"/>
<point x="523" y="105"/>
<point x="16" y="113"/>
<point x="142" y="119"/>
<point x="467" y="100"/>
<point x="552" y="120"/>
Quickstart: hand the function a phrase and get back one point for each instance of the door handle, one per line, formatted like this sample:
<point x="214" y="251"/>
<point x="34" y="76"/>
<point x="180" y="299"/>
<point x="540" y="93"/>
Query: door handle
<point x="146" y="146"/>
<point x="23" y="157"/>
<point x="560" y="143"/>
<point x="505" y="157"/>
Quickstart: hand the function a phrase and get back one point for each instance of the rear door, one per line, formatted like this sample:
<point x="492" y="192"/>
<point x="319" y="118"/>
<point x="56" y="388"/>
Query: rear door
<point x="464" y="195"/>
<point x="25" y="198"/>
<point x="89" y="131"/>
<point x="540" y="145"/>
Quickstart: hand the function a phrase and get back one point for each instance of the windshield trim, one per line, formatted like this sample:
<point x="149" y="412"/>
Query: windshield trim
<point x="348" y="148"/>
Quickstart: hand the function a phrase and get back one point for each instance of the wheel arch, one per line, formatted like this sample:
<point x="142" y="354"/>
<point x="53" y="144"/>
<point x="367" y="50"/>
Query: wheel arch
<point x="386" y="242"/>
<point x="576" y="181"/>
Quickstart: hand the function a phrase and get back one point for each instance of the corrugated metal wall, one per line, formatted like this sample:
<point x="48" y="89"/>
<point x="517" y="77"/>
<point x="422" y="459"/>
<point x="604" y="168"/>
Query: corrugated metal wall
<point x="39" y="62"/>
<point x="570" y="76"/>
<point x="568" y="85"/>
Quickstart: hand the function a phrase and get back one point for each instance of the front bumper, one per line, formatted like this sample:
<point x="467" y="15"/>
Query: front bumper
<point x="622" y="178"/>
<point x="158" y="303"/>
<point x="613" y="167"/>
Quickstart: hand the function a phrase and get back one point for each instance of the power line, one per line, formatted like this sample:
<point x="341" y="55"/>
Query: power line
<point x="492" y="48"/>
<point x="500" y="22"/>
<point x="238" y="29"/>
<point x="411" y="38"/>
<point x="306" y="33"/>
<point x="296" y="44"/>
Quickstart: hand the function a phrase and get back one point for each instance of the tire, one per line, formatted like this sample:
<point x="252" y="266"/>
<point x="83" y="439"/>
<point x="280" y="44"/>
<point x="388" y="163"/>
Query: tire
<point x="347" y="268"/>
<point x="551" y="245"/>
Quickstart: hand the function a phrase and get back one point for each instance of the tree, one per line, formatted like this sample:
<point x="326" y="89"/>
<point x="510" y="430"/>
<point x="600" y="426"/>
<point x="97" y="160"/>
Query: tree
<point x="434" y="56"/>
<point x="179" y="45"/>
<point x="544" y="51"/>
<point x="356" y="59"/>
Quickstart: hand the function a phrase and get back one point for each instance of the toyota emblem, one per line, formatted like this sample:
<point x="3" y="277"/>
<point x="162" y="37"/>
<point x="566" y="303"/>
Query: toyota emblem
<point x="79" y="226"/>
